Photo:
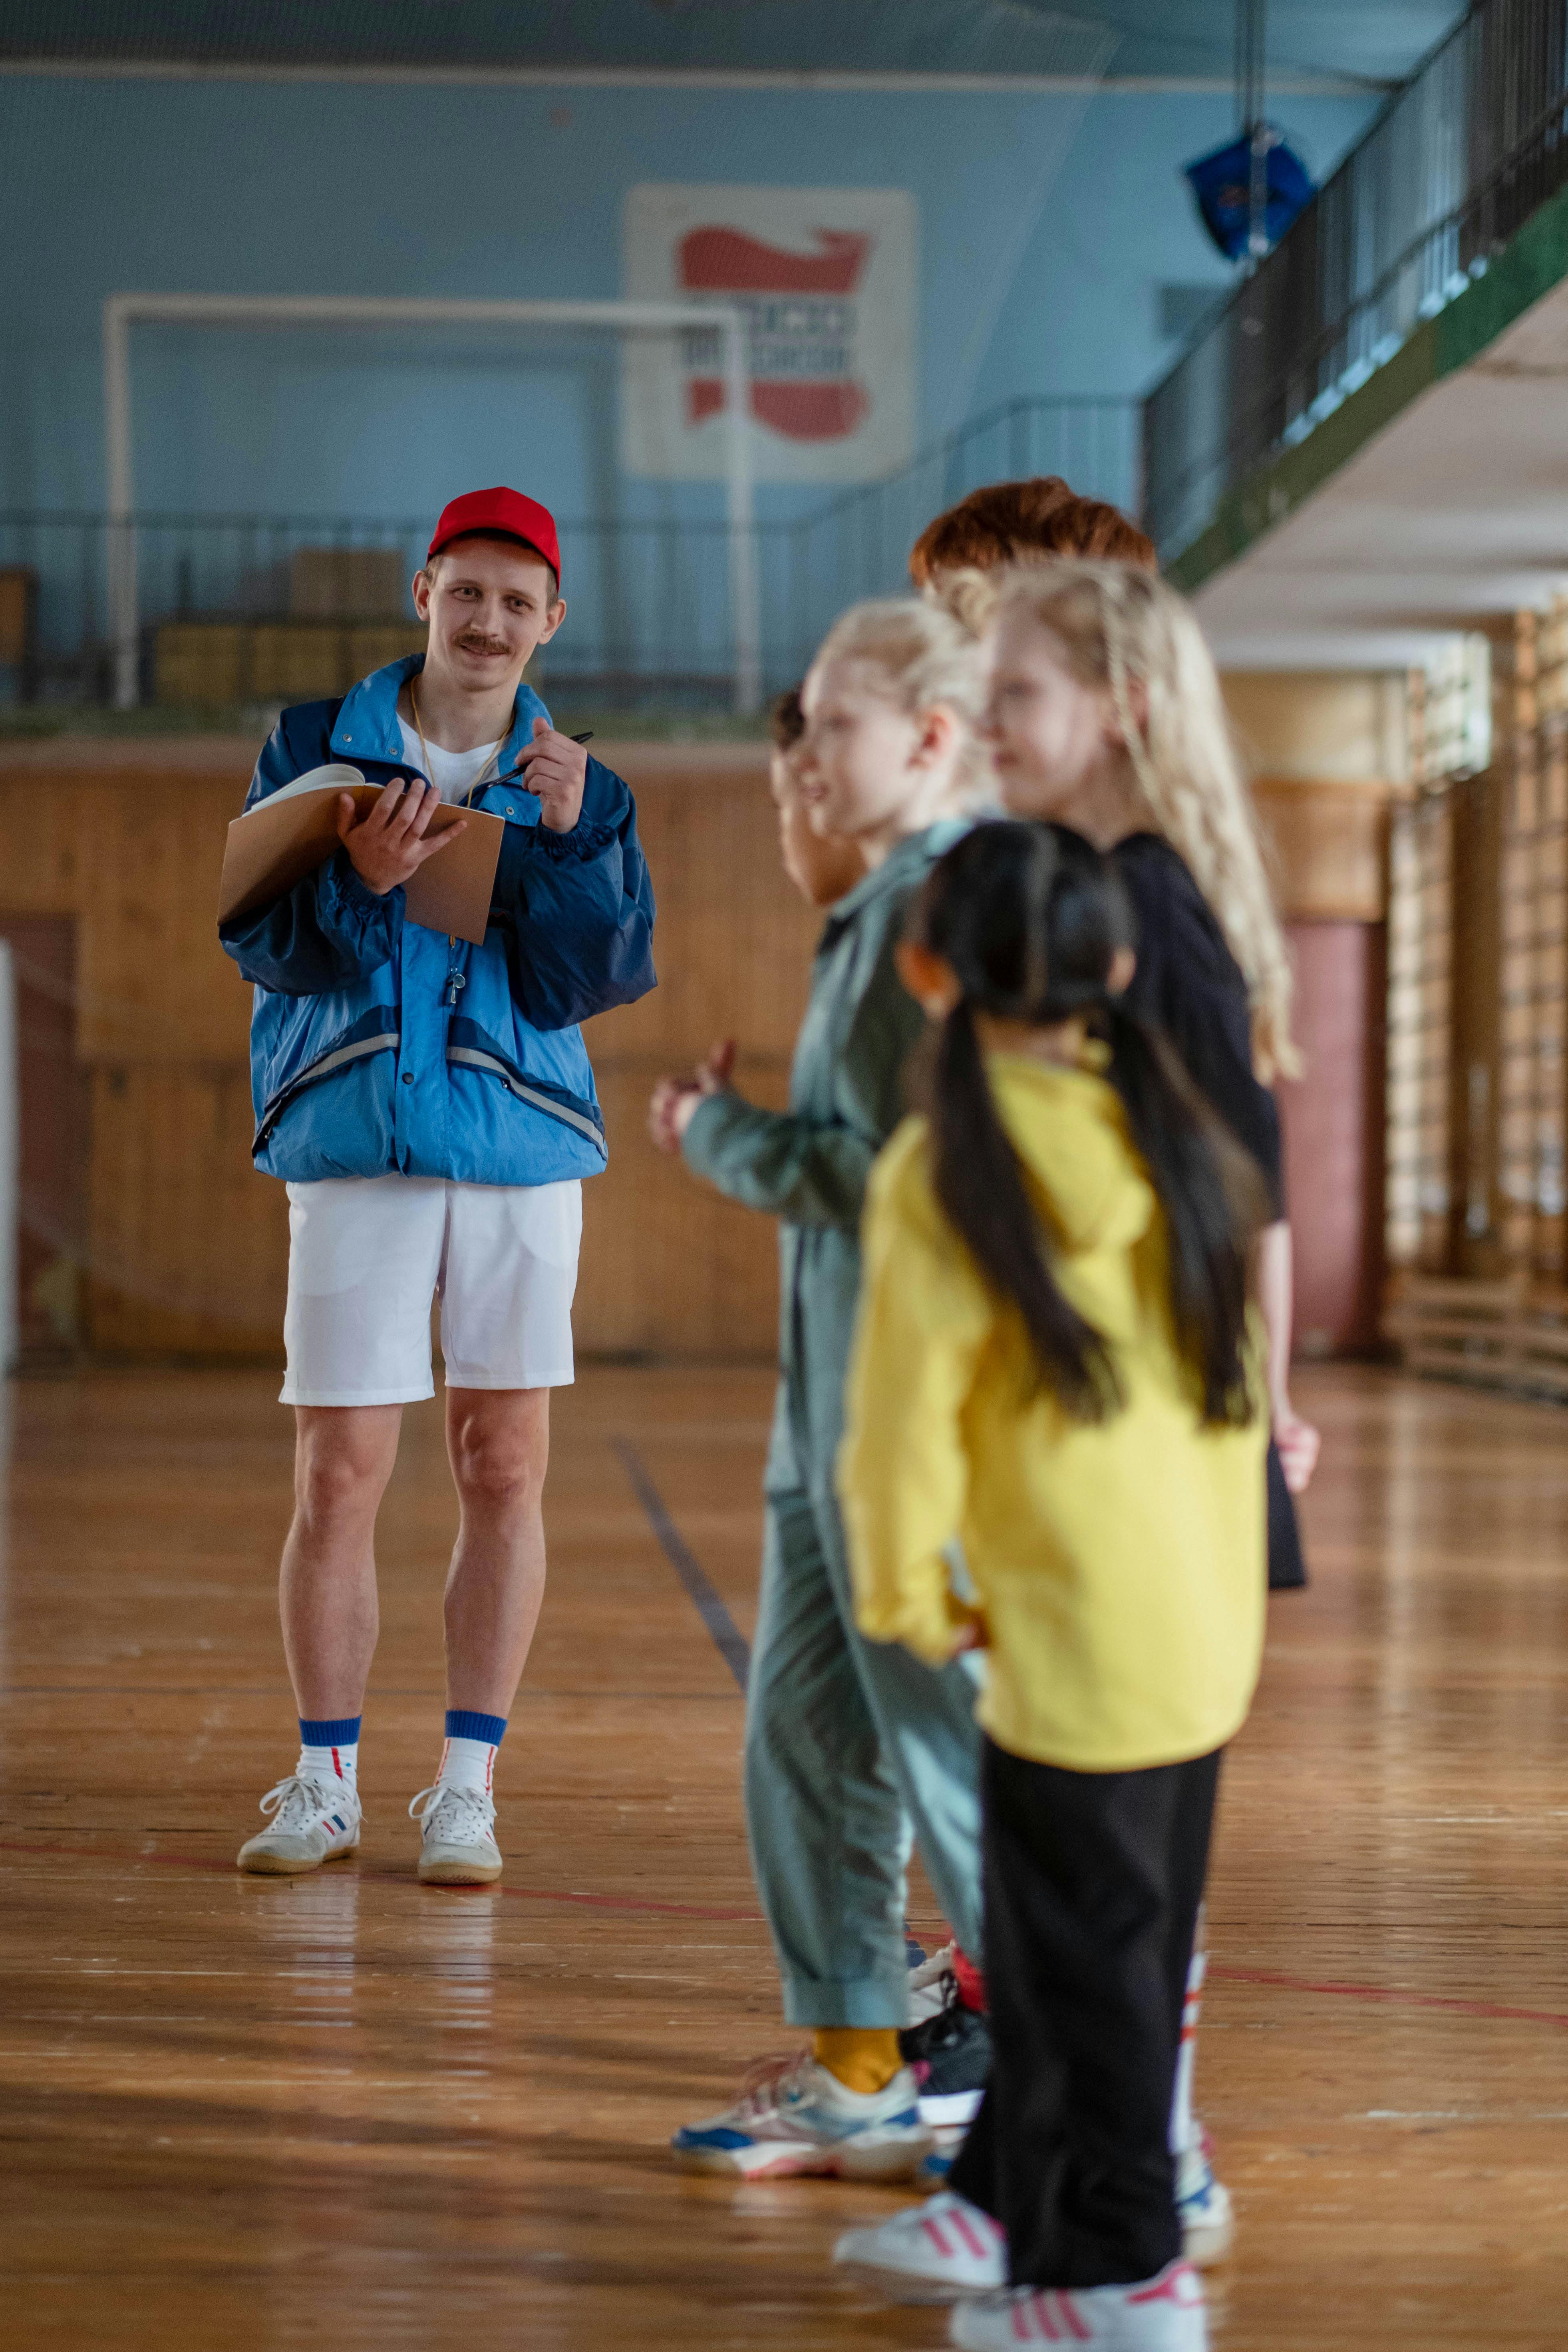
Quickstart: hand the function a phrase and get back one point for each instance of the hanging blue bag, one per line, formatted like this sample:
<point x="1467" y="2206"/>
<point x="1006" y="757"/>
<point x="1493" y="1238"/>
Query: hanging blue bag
<point x="1222" y="185"/>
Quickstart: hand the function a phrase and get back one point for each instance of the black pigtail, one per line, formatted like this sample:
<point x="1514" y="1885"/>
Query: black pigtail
<point x="1030" y="920"/>
<point x="978" y="1182"/>
<point x="1213" y="1201"/>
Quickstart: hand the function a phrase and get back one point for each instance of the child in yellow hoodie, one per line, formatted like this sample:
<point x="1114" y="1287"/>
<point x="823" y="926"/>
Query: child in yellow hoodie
<point x="1054" y="1367"/>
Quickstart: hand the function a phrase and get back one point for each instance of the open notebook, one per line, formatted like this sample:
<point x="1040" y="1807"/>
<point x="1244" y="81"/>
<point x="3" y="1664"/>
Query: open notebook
<point x="295" y="829"/>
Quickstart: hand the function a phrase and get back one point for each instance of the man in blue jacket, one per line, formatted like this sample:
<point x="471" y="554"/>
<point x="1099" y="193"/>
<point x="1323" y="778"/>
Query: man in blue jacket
<point x="431" y="1107"/>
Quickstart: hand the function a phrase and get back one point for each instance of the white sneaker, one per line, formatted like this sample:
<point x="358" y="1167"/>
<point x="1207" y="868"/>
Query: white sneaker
<point x="312" y="1821"/>
<point x="795" y="2116"/>
<point x="457" y="1833"/>
<point x="933" y="2252"/>
<point x="929" y="1991"/>
<point x="1202" y="2208"/>
<point x="1166" y="2313"/>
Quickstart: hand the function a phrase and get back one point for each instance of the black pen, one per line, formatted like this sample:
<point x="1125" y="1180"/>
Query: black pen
<point x="513" y="774"/>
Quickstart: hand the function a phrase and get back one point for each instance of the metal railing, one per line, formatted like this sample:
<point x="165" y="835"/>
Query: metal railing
<point x="1454" y="163"/>
<point x="858" y="545"/>
<point x="268" y="609"/>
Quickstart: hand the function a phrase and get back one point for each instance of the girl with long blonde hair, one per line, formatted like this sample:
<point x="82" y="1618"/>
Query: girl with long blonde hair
<point x="1106" y="715"/>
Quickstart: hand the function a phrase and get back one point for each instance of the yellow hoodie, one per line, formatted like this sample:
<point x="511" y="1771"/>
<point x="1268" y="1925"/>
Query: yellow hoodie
<point x="1120" y="1565"/>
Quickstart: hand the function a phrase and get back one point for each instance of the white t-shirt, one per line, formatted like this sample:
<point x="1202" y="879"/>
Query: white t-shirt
<point x="453" y="774"/>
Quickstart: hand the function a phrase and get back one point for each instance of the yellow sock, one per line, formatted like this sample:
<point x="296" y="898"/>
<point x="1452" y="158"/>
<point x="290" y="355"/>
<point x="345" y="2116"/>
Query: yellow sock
<point x="863" y="2058"/>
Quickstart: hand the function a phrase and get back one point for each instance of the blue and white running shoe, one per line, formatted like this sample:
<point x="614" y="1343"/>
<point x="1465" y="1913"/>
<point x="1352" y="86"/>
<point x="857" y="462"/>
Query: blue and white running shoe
<point x="1203" y="2206"/>
<point x="794" y="2116"/>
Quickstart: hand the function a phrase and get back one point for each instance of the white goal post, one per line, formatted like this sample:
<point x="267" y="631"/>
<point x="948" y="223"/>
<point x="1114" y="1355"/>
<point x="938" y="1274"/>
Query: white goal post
<point x="120" y="311"/>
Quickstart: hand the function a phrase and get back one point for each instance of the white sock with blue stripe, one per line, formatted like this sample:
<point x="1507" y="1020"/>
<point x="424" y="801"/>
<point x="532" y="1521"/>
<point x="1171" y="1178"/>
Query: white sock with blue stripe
<point x="329" y="1749"/>
<point x="469" y="1758"/>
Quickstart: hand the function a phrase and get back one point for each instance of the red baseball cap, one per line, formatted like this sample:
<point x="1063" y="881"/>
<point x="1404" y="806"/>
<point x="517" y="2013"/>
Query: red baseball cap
<point x="504" y="510"/>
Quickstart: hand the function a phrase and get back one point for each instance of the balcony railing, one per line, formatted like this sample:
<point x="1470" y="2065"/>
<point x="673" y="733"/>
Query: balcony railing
<point x="266" y="609"/>
<point x="1455" y="163"/>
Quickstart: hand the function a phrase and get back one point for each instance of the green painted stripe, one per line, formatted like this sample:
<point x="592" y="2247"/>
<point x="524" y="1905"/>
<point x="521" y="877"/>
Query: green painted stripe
<point x="1534" y="260"/>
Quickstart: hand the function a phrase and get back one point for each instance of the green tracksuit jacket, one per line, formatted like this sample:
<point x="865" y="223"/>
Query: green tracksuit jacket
<point x="809" y="1165"/>
<point x="850" y="1744"/>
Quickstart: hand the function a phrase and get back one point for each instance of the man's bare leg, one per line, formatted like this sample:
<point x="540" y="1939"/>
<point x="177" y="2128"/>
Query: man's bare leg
<point x="327" y="1598"/>
<point x="498" y="1442"/>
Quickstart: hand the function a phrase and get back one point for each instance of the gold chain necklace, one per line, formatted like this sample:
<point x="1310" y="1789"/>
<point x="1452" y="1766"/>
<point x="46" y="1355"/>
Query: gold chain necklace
<point x="425" y="748"/>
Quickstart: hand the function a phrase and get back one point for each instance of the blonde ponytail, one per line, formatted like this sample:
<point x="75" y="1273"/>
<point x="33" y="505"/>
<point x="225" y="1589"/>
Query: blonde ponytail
<point x="1124" y="629"/>
<point x="927" y="654"/>
<point x="970" y="596"/>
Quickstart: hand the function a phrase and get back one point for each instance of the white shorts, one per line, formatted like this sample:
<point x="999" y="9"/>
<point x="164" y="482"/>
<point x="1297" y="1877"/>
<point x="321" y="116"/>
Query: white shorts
<point x="366" y="1256"/>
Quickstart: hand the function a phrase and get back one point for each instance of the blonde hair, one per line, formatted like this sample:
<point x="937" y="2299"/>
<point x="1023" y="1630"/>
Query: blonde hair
<point x="970" y="595"/>
<point x="927" y="654"/>
<point x="1120" y="625"/>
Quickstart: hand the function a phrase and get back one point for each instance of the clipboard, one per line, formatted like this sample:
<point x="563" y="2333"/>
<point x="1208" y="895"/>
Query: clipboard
<point x="291" y="832"/>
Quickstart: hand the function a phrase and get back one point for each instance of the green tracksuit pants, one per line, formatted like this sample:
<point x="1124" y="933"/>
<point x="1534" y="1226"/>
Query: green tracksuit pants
<point x="851" y="1747"/>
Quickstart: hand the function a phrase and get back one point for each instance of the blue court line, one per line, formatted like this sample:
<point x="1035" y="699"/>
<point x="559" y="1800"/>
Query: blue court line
<point x="728" y="1639"/>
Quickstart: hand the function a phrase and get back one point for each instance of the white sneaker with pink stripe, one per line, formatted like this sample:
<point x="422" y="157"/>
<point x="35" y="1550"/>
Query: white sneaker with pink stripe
<point x="1166" y="2313"/>
<point x="929" y="2253"/>
<point x="457" y="1830"/>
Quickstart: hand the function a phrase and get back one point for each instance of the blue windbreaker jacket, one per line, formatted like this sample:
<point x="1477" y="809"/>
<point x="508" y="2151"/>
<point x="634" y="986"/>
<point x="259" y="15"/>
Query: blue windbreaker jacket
<point x="380" y="1048"/>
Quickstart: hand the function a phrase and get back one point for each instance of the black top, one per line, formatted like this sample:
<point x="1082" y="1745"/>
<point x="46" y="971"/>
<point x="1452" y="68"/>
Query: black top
<point x="1189" y="984"/>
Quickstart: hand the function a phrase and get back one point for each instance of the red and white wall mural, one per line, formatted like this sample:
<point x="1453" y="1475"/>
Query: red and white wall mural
<point x="826" y="279"/>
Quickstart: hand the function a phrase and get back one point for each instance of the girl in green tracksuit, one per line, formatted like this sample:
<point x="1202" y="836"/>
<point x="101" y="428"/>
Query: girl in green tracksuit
<point x="850" y="1745"/>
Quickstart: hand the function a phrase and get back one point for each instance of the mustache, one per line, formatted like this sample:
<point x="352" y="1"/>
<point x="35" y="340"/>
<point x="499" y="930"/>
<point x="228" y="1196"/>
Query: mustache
<point x="475" y="642"/>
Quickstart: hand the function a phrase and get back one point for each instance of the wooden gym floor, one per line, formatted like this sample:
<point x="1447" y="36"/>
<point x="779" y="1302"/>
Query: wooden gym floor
<point x="349" y="2111"/>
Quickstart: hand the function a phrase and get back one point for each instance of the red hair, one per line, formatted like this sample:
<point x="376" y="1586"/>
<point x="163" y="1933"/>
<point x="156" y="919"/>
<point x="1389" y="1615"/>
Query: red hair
<point x="1008" y="522"/>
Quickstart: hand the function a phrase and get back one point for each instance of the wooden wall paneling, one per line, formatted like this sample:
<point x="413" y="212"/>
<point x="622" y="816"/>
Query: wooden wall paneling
<point x="733" y="941"/>
<point x="1332" y="726"/>
<point x="1328" y="847"/>
<point x="1550" y="961"/>
<point x="189" y="1246"/>
<point x="1534" y="950"/>
<point x="52" y="1237"/>
<point x="1516" y="1060"/>
<point x="155" y="983"/>
<point x="669" y="1265"/>
<point x="1436" y="1003"/>
<point x="45" y="835"/>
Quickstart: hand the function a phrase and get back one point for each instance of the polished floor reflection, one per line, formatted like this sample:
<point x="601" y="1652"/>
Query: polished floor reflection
<point x="351" y="2110"/>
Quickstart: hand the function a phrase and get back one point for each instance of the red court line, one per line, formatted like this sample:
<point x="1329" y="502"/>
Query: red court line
<point x="522" y="1893"/>
<point x="1328" y="1988"/>
<point x="1338" y="1991"/>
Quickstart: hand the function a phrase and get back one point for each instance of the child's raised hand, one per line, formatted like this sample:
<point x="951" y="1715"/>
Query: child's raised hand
<point x="557" y="769"/>
<point x="670" y="1111"/>
<point x="388" y="845"/>
<point x="714" y="1075"/>
<point x="675" y="1101"/>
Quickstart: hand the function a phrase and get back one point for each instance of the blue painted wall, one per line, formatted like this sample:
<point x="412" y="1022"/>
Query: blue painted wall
<point x="1034" y="277"/>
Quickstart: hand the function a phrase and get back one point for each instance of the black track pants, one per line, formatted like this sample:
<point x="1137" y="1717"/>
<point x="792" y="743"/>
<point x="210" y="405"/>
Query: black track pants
<point x="1092" y="1886"/>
